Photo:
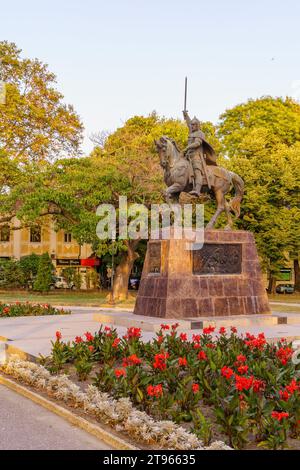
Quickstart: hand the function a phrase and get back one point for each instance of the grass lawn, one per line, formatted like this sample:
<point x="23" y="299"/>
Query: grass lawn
<point x="286" y="298"/>
<point x="60" y="297"/>
<point x="100" y="299"/>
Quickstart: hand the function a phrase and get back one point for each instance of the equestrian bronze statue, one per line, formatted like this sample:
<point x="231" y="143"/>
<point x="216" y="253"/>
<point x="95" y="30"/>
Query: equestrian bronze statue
<point x="195" y="170"/>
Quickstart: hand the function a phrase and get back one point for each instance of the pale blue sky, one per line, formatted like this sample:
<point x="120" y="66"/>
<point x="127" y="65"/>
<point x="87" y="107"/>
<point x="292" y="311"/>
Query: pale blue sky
<point x="115" y="59"/>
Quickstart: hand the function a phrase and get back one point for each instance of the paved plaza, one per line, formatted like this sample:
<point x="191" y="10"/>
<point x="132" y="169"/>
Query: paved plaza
<point x="33" y="335"/>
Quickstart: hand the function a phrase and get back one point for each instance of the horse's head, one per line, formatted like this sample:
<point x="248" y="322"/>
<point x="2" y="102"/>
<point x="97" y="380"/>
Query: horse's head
<point x="167" y="150"/>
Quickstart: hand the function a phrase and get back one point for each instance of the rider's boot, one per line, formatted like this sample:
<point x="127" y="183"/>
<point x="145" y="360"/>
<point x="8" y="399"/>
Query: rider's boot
<point x="198" y="184"/>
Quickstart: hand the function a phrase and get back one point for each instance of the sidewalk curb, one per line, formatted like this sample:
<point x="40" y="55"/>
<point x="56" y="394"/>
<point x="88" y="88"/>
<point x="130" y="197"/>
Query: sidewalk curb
<point x="101" y="434"/>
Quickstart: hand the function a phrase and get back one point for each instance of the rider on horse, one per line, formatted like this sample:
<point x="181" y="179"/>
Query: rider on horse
<point x="199" y="152"/>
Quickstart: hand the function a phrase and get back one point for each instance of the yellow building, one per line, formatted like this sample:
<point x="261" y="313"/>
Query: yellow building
<point x="62" y="248"/>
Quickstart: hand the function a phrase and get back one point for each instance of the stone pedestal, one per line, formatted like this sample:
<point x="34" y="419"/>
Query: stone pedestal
<point x="223" y="278"/>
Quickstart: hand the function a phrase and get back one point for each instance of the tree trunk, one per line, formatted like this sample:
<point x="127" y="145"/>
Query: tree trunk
<point x="297" y="275"/>
<point x="120" y="287"/>
<point x="272" y="285"/>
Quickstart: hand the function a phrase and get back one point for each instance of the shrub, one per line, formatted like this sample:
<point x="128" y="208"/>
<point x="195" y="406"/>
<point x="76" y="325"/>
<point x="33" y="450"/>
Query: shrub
<point x="44" y="277"/>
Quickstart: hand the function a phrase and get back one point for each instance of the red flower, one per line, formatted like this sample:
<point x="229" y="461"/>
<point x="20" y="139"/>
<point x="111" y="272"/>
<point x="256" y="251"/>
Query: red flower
<point x="202" y="356"/>
<point x="279" y="416"/>
<point x="210" y="345"/>
<point x="116" y="342"/>
<point x="165" y="327"/>
<point x="182" y="361"/>
<point x="91" y="348"/>
<point x="284" y="395"/>
<point x="196" y="338"/>
<point x="243" y="370"/>
<point x="197" y="346"/>
<point x="58" y="335"/>
<point x="160" y="339"/>
<point x="89" y="336"/>
<point x="208" y="330"/>
<point x="233" y="329"/>
<point x="175" y="326"/>
<point x="292" y="387"/>
<point x="78" y="339"/>
<point x="132" y="360"/>
<point x="195" y="388"/>
<point x="107" y="328"/>
<point x="284" y="355"/>
<point x="258" y="385"/>
<point x="243" y="383"/>
<point x="241" y="358"/>
<point x="183" y="336"/>
<point x="133" y="332"/>
<point x="155" y="391"/>
<point x="120" y="373"/>
<point x="160" y="361"/>
<point x="222" y="330"/>
<point x="257" y="343"/>
<point x="227" y="372"/>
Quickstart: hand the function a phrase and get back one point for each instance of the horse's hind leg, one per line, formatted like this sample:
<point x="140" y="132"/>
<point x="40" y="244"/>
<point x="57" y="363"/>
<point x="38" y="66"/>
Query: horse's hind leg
<point x="220" y="199"/>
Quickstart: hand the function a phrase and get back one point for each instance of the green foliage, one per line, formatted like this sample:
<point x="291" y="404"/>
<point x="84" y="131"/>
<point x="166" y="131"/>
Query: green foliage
<point x="44" y="277"/>
<point x="248" y="387"/>
<point x="29" y="266"/>
<point x="11" y="274"/>
<point x="261" y="139"/>
<point x="18" y="309"/>
<point x="35" y="124"/>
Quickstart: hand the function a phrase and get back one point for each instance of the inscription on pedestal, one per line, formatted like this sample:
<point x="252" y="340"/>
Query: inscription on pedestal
<point x="154" y="257"/>
<point x="217" y="258"/>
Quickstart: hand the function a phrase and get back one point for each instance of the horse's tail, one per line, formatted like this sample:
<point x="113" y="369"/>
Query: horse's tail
<point x="235" y="203"/>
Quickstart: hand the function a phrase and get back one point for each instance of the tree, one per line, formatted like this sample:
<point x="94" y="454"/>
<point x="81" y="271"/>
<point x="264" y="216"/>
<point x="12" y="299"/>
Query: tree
<point x="29" y="266"/>
<point x="11" y="274"/>
<point x="44" y="277"/>
<point x="35" y="124"/>
<point x="260" y="142"/>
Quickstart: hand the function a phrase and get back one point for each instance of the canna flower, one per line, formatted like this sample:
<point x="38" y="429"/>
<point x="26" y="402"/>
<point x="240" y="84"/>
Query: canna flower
<point x="195" y="388"/>
<point x="160" y="361"/>
<point x="243" y="369"/>
<point x="208" y="330"/>
<point x="279" y="416"/>
<point x="155" y="391"/>
<point x="116" y="343"/>
<point x="222" y="330"/>
<point x="202" y="356"/>
<point x="133" y="332"/>
<point x="183" y="336"/>
<point x="227" y="372"/>
<point x="89" y="336"/>
<point x="182" y="361"/>
<point x="165" y="327"/>
<point x="58" y="335"/>
<point x="120" y="373"/>
<point x="78" y="339"/>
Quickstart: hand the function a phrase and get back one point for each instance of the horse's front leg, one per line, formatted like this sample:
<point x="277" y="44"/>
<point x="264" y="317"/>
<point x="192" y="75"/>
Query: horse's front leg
<point x="171" y="191"/>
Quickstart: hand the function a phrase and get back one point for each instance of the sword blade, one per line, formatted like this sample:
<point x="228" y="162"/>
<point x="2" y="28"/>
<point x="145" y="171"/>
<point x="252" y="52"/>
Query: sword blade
<point x="185" y="93"/>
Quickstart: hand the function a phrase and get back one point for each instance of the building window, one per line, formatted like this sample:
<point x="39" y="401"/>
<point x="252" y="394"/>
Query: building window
<point x="68" y="237"/>
<point x="35" y="235"/>
<point x="4" y="233"/>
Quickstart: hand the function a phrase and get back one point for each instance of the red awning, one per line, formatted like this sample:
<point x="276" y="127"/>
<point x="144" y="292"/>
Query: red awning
<point x="90" y="262"/>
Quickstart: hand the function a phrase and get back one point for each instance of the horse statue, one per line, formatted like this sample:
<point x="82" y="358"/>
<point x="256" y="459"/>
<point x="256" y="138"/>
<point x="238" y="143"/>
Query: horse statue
<point x="178" y="177"/>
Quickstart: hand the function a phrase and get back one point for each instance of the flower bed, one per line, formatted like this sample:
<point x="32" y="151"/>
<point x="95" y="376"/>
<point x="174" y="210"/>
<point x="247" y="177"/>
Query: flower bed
<point x="117" y="413"/>
<point x="242" y="387"/>
<point x="19" y="309"/>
